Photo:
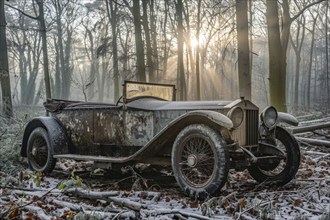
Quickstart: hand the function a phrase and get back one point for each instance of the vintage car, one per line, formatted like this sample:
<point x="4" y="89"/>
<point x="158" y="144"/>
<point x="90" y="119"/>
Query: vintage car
<point x="198" y="140"/>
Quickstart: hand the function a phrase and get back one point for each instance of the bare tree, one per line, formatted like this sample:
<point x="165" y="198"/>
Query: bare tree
<point x="112" y="10"/>
<point x="41" y="20"/>
<point x="310" y="64"/>
<point x="278" y="44"/>
<point x="297" y="47"/>
<point x="327" y="55"/>
<point x="139" y="45"/>
<point x="180" y="71"/>
<point x="198" y="28"/>
<point x="7" y="108"/>
<point x="244" y="75"/>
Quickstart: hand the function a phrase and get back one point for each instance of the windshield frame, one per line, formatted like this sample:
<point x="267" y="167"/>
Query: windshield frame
<point x="140" y="85"/>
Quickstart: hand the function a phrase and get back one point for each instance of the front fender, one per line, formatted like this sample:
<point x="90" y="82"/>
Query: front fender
<point x="55" y="130"/>
<point x="287" y="118"/>
<point x="168" y="134"/>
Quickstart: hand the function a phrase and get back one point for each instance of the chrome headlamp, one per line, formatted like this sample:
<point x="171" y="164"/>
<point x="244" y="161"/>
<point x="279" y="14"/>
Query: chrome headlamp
<point x="269" y="117"/>
<point x="236" y="115"/>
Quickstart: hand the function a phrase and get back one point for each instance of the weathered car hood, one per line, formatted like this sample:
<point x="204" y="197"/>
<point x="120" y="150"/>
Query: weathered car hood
<point x="158" y="105"/>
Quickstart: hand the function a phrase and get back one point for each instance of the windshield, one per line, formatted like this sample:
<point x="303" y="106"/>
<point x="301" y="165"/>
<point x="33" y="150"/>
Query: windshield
<point x="135" y="90"/>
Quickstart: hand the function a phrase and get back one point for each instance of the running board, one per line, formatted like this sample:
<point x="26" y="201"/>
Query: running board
<point x="93" y="158"/>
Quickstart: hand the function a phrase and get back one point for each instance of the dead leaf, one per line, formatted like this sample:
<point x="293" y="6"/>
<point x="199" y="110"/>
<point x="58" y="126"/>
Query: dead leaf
<point x="14" y="213"/>
<point x="194" y="204"/>
<point x="296" y="202"/>
<point x="143" y="195"/>
<point x="68" y="214"/>
<point x="242" y="203"/>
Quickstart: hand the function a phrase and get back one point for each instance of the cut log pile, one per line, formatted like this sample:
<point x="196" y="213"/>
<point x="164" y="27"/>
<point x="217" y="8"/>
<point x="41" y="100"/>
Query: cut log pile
<point x="313" y="132"/>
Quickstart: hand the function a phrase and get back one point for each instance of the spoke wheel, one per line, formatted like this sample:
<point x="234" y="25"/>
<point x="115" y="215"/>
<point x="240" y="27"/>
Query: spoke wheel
<point x="200" y="160"/>
<point x="197" y="161"/>
<point x="39" y="154"/>
<point x="280" y="171"/>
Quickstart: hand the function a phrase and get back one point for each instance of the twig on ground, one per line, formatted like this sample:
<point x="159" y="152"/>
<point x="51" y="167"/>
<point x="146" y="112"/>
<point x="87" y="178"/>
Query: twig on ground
<point x="3" y="133"/>
<point x="162" y="211"/>
<point x="90" y="194"/>
<point x="40" y="212"/>
<point x="259" y="204"/>
<point x="323" y="135"/>
<point x="315" y="153"/>
<point x="75" y="207"/>
<point x="29" y="203"/>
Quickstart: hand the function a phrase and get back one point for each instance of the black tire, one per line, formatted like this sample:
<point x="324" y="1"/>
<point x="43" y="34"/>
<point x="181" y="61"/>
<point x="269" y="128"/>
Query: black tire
<point x="284" y="170"/>
<point x="39" y="152"/>
<point x="200" y="161"/>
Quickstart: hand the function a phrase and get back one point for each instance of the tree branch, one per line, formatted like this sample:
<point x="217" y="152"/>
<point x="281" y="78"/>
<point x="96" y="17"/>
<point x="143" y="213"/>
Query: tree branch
<point x="304" y="9"/>
<point x="22" y="12"/>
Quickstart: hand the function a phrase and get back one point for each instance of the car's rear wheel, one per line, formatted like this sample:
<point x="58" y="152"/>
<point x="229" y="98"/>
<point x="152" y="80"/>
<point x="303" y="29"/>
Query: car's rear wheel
<point x="283" y="170"/>
<point x="39" y="152"/>
<point x="200" y="161"/>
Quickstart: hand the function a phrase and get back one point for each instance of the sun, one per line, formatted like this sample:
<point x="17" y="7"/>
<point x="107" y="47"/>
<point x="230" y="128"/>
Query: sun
<point x="194" y="42"/>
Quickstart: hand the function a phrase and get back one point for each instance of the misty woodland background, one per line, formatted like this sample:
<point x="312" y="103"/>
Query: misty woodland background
<point x="273" y="52"/>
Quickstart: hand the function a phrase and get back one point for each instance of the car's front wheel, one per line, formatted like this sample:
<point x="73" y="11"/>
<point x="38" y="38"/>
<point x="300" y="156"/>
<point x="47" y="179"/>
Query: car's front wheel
<point x="200" y="160"/>
<point x="282" y="170"/>
<point x="39" y="152"/>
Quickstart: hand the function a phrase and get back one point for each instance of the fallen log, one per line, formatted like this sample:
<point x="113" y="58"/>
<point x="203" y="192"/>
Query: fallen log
<point x="316" y="121"/>
<point x="75" y="206"/>
<point x="163" y="211"/>
<point x="144" y="209"/>
<point x="39" y="212"/>
<point x="78" y="192"/>
<point x="309" y="128"/>
<point x="314" y="141"/>
<point x="108" y="196"/>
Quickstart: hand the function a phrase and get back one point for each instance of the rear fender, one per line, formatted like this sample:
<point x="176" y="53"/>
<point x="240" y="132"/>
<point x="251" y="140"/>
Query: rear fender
<point x="55" y="130"/>
<point x="168" y="134"/>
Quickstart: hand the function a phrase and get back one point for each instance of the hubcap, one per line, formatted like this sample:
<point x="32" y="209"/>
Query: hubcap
<point x="192" y="160"/>
<point x="39" y="153"/>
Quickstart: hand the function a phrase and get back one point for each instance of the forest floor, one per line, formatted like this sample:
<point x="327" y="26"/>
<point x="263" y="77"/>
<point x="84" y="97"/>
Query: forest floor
<point x="77" y="191"/>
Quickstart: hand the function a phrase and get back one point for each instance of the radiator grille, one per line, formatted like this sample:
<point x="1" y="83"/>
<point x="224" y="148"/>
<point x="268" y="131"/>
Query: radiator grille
<point x="247" y="133"/>
<point x="252" y="127"/>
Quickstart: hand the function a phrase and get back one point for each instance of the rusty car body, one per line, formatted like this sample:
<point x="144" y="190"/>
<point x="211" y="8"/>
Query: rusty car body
<point x="199" y="140"/>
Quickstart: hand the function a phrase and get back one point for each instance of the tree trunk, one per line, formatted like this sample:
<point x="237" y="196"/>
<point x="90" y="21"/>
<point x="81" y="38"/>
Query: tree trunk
<point x="244" y="76"/>
<point x="165" y="51"/>
<point x="42" y="25"/>
<point x="297" y="49"/>
<point x="250" y="2"/>
<point x="60" y="48"/>
<point x="310" y="64"/>
<point x="68" y="69"/>
<point x="198" y="77"/>
<point x="145" y="23"/>
<point x="180" y="71"/>
<point x="34" y="62"/>
<point x="327" y="57"/>
<point x="7" y="108"/>
<point x="276" y="76"/>
<point x="112" y="15"/>
<point x="139" y="49"/>
<point x="153" y="26"/>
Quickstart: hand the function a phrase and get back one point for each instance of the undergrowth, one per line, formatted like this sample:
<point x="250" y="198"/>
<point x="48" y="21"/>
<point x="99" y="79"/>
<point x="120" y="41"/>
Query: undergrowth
<point x="11" y="133"/>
